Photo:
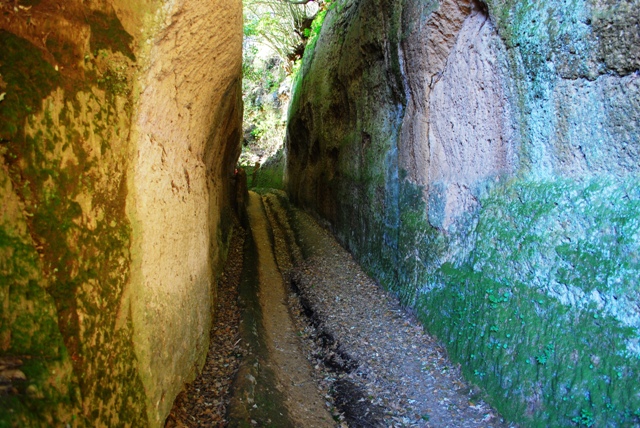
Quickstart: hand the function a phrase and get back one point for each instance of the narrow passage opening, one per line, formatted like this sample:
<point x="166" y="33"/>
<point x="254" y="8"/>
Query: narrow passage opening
<point x="276" y="33"/>
<point x="302" y="336"/>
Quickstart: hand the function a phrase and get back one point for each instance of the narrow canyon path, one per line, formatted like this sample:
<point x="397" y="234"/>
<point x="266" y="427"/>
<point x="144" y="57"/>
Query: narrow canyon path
<point x="317" y="343"/>
<point x="274" y="386"/>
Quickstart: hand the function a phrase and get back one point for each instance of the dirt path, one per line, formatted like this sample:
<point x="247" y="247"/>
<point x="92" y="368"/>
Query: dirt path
<point x="282" y="358"/>
<point x="319" y="343"/>
<point x="383" y="369"/>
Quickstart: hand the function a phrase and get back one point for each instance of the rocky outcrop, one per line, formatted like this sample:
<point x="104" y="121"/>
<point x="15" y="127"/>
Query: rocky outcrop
<point x="481" y="160"/>
<point x="120" y="127"/>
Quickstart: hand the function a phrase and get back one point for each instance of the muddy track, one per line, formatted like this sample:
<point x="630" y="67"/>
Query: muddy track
<point x="383" y="369"/>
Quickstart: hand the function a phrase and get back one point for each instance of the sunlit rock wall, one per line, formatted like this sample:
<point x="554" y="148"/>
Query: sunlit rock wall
<point x="119" y="130"/>
<point x="481" y="161"/>
<point x="187" y="141"/>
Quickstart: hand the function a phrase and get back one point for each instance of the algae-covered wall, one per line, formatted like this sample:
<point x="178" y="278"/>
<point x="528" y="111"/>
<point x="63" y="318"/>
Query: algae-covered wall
<point x="270" y="174"/>
<point x="481" y="161"/>
<point x="86" y="337"/>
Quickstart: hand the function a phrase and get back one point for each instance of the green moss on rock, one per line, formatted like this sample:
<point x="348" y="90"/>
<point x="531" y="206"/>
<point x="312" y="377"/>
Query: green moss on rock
<point x="29" y="79"/>
<point x="533" y="289"/>
<point x="29" y="332"/>
<point x="65" y="269"/>
<point x="546" y="329"/>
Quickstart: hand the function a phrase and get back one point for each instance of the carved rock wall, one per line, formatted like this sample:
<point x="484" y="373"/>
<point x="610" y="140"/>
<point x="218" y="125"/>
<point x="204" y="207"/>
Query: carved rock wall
<point x="480" y="159"/>
<point x="119" y="128"/>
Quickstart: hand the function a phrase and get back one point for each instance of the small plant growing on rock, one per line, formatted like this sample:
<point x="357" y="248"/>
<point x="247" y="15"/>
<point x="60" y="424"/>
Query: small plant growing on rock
<point x="585" y="418"/>
<point x="544" y="357"/>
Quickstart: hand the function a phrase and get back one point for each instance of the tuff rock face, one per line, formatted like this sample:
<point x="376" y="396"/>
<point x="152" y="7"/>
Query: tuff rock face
<point x="481" y="160"/>
<point x="119" y="127"/>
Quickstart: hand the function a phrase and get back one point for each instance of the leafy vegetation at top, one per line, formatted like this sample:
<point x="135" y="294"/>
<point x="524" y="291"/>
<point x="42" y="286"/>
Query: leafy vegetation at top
<point x="275" y="35"/>
<point x="280" y="26"/>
